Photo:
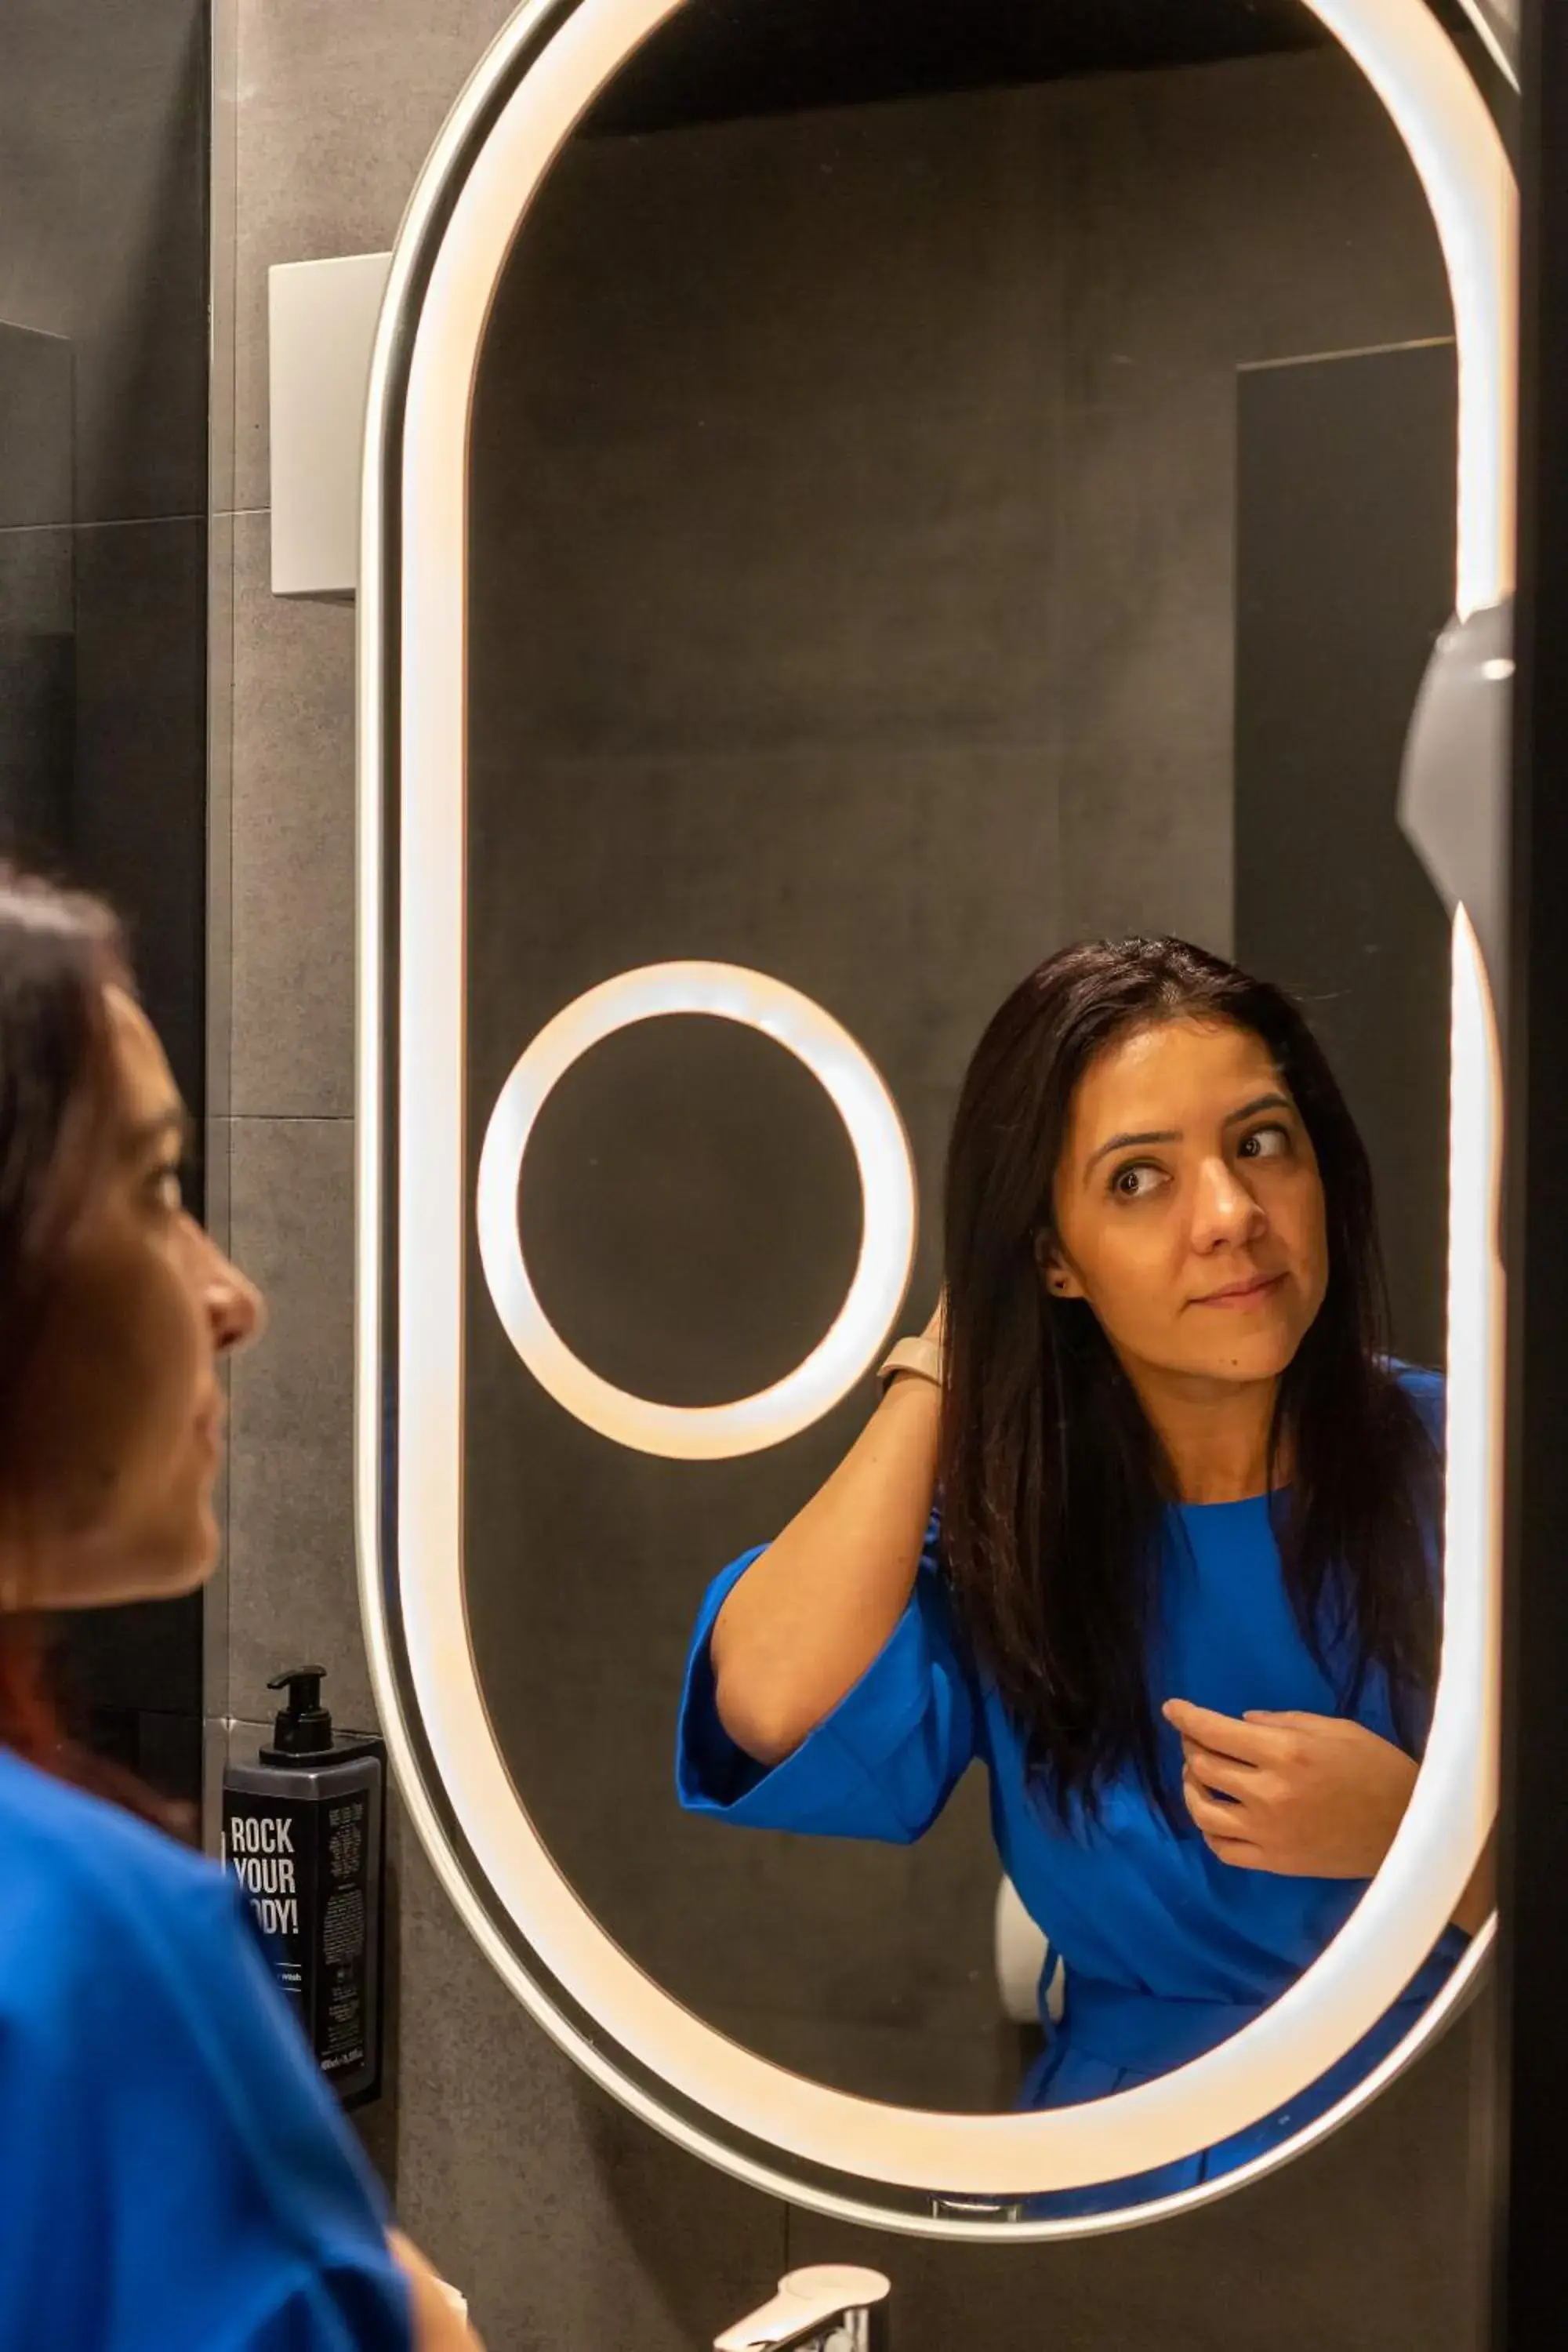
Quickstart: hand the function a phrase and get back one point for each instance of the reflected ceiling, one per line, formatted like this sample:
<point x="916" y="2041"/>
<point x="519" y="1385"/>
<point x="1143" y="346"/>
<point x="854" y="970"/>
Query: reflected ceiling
<point x="719" y="59"/>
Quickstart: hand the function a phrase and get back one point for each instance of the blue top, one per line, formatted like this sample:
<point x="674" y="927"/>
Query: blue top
<point x="172" y="2169"/>
<point x="1167" y="1949"/>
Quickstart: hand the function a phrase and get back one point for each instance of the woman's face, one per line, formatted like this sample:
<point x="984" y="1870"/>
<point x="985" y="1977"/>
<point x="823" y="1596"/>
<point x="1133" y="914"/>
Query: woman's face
<point x="1189" y="1208"/>
<point x="121" y="1425"/>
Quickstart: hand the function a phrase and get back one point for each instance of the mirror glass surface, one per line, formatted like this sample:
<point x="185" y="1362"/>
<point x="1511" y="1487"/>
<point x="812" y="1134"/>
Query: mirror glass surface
<point x="946" y="485"/>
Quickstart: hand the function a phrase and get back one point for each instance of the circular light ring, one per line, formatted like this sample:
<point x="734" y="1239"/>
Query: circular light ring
<point x="720" y="2101"/>
<point x="876" y="1132"/>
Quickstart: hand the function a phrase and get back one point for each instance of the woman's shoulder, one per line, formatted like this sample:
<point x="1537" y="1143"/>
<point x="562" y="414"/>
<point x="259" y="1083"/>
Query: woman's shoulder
<point x="82" y="1877"/>
<point x="132" y="1976"/>
<point x="138" y="2013"/>
<point x="64" y="1836"/>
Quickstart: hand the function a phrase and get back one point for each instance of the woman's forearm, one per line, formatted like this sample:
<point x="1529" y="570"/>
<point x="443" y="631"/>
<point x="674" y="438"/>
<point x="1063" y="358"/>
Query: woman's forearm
<point x="812" y="1613"/>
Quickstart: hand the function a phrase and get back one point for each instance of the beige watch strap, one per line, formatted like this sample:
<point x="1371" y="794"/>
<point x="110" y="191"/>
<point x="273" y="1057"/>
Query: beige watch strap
<point x="922" y="1357"/>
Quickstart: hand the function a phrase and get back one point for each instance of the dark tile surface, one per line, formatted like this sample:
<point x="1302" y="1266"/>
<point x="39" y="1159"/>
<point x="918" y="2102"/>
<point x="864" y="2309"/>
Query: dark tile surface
<point x="138" y="800"/>
<point x="220" y="825"/>
<point x="103" y="236"/>
<point x="35" y="427"/>
<point x="1233" y="212"/>
<point x="1345" y="576"/>
<point x="784" y="476"/>
<point x="145" y="1656"/>
<point x="38" y="692"/>
<point x="291" y="1583"/>
<point x="291" y="830"/>
<point x="905" y="889"/>
<point x="1147" y="508"/>
<point x="37" y="594"/>
<point x="1146" y="843"/>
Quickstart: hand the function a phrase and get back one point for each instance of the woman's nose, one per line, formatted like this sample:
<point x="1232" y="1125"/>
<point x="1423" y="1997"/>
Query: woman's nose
<point x="1226" y="1212"/>
<point x="236" y="1310"/>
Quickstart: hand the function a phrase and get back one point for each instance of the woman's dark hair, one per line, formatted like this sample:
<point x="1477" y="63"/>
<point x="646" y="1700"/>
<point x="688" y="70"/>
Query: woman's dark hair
<point x="1053" y="1482"/>
<point x="59" y="1127"/>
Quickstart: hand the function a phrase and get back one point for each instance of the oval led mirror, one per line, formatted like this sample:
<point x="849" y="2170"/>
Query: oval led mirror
<point x="839" y="533"/>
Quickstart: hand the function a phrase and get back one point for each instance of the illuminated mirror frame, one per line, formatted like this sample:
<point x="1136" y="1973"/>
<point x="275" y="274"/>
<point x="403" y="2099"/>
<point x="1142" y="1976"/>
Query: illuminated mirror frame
<point x="932" y="2173"/>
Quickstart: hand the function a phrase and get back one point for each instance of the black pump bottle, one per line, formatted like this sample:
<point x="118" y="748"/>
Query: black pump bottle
<point x="303" y="1830"/>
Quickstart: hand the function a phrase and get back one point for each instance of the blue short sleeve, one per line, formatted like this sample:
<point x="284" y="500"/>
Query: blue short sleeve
<point x="881" y="1765"/>
<point x="1428" y="1392"/>
<point x="175" y="2171"/>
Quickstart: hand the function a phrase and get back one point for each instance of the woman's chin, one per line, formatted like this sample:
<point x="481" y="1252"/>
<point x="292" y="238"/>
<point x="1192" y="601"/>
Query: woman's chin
<point x="202" y="1555"/>
<point x="168" y="1567"/>
<point x="1249" y="1356"/>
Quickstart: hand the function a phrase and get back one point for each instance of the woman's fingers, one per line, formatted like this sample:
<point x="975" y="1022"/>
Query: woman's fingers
<point x="439" y="2322"/>
<point x="1223" y="1735"/>
<point x="1223" y="1826"/>
<point x="1222" y="1815"/>
<point x="1217" y="1771"/>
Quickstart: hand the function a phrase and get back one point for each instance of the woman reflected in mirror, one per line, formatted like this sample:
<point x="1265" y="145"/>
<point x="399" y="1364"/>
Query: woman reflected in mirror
<point x="1148" y="1521"/>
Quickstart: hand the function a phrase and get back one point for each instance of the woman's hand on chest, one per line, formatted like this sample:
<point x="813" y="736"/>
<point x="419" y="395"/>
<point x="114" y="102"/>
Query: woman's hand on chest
<point x="1304" y="1796"/>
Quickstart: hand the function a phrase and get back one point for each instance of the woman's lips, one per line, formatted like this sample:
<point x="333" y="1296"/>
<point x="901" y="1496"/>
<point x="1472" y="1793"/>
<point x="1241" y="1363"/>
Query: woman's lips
<point x="1243" y="1294"/>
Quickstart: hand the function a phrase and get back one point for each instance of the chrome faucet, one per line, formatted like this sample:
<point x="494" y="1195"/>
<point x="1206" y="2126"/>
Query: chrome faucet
<point x="830" y="2307"/>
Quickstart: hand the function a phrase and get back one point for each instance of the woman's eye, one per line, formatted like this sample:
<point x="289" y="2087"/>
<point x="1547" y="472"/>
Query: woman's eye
<point x="1266" y="1143"/>
<point x="1135" y="1182"/>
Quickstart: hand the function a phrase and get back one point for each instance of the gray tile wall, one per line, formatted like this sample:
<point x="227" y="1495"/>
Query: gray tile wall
<point x="102" y="115"/>
<point x="38" y="660"/>
<point x="102" y="453"/>
<point x="36" y="372"/>
<point x="103" y="576"/>
<point x="571" y="2227"/>
<point x="1248" y="212"/>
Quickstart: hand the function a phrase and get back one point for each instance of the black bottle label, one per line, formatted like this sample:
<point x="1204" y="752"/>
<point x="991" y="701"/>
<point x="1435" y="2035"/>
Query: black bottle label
<point x="341" y="2022"/>
<point x="305" y="1867"/>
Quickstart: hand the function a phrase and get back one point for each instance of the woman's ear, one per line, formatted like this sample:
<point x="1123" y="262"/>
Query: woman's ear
<point x="1055" y="1272"/>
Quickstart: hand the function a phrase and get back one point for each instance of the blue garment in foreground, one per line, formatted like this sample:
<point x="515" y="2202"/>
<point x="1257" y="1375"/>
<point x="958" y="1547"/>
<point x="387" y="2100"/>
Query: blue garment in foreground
<point x="174" y="2172"/>
<point x="1168" y="1949"/>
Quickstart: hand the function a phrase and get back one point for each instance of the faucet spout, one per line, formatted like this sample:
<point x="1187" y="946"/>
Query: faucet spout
<point x="829" y="2307"/>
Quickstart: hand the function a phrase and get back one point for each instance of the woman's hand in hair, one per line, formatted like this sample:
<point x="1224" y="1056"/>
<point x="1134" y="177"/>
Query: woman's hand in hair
<point x="819" y="1605"/>
<point x="1305" y="1796"/>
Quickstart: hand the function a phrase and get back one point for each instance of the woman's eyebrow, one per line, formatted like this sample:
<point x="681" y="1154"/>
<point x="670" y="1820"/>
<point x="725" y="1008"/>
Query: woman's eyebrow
<point x="1259" y="1102"/>
<point x="1125" y="1142"/>
<point x="1174" y="1134"/>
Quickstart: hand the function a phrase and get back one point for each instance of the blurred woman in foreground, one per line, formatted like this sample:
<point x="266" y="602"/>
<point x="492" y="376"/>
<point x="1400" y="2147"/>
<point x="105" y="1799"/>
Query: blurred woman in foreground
<point x="175" y="2173"/>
